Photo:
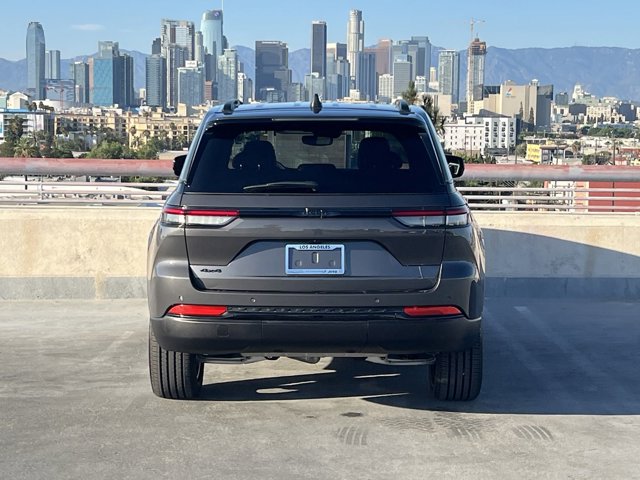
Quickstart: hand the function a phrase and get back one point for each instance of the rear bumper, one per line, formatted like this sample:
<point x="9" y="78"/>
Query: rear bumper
<point x="220" y="336"/>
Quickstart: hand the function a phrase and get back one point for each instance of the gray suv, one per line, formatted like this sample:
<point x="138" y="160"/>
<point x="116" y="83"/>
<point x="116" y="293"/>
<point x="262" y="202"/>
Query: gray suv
<point x="309" y="230"/>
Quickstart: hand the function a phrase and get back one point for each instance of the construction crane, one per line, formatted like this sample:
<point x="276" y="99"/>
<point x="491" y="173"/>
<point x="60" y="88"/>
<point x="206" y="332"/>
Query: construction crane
<point x="474" y="22"/>
<point x="58" y="89"/>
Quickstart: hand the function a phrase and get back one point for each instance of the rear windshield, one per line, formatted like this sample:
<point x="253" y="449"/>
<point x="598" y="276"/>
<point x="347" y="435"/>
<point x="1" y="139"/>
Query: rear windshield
<point x="321" y="157"/>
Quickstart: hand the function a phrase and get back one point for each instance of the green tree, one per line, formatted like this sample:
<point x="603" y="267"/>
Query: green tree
<point x="428" y="105"/>
<point x="150" y="149"/>
<point x="7" y="149"/>
<point x="426" y="102"/>
<point x="15" y="130"/>
<point x="532" y="119"/>
<point x="411" y="94"/>
<point x="26" y="148"/>
<point x="181" y="141"/>
<point x="164" y="139"/>
<point x="110" y="149"/>
<point x="62" y="149"/>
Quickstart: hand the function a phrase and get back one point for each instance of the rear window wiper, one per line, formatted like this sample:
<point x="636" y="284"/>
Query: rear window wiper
<point x="283" y="187"/>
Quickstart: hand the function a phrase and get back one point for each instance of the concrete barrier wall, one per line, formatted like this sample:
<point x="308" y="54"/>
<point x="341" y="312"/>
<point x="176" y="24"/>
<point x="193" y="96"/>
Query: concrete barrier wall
<point x="74" y="252"/>
<point x="86" y="252"/>
<point x="556" y="255"/>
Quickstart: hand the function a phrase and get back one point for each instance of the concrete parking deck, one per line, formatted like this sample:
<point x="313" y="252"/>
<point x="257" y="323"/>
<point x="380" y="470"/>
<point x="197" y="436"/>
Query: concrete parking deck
<point x="561" y="399"/>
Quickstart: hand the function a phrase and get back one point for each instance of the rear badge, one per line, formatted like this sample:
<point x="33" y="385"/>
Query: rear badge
<point x="314" y="259"/>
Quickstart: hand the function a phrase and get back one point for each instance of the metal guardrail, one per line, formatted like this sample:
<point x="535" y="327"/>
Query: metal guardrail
<point x="565" y="188"/>
<point x="163" y="168"/>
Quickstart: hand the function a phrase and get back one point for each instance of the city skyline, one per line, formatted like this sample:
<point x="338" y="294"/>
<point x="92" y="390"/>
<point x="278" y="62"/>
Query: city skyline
<point x="247" y="21"/>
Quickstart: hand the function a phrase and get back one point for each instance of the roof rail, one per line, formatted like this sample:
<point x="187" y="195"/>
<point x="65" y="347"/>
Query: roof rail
<point x="230" y="106"/>
<point x="402" y="106"/>
<point x="316" y="104"/>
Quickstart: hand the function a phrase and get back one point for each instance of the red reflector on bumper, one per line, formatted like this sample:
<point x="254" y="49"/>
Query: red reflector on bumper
<point x="197" y="310"/>
<point x="438" y="311"/>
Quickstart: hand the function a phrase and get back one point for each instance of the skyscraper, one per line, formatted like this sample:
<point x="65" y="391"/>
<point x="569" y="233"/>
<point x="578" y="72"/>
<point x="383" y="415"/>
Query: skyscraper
<point x="108" y="49"/>
<point x="52" y="65"/>
<point x="319" y="48"/>
<point x="422" y="62"/>
<point x="355" y="38"/>
<point x="315" y="85"/>
<point x="35" y="61"/>
<point x="338" y="72"/>
<point x="128" y="90"/>
<point x="336" y="51"/>
<point x="402" y="74"/>
<point x="177" y="47"/>
<point x="245" y="87"/>
<point x="366" y="75"/>
<point x="228" y="75"/>
<point x="112" y="75"/>
<point x="191" y="84"/>
<point x="156" y="46"/>
<point x="475" y="72"/>
<point x="211" y="27"/>
<point x="79" y="72"/>
<point x="156" y="78"/>
<point x="176" y="57"/>
<point x="178" y="32"/>
<point x="198" y="45"/>
<point x="385" y="87"/>
<point x="272" y="70"/>
<point x="449" y="74"/>
<point x="383" y="56"/>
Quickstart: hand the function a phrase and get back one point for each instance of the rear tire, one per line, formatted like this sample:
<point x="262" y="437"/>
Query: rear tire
<point x="174" y="375"/>
<point x="457" y="376"/>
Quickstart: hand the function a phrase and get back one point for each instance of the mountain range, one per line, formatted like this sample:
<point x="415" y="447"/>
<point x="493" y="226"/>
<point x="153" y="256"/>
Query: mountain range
<point x="603" y="71"/>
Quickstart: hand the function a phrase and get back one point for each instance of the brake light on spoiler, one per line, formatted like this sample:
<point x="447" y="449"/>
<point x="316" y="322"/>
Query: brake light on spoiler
<point x="192" y="217"/>
<point x="451" y="217"/>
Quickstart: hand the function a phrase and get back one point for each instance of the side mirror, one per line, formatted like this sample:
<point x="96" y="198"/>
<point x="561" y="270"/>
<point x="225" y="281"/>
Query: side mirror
<point x="178" y="164"/>
<point x="456" y="166"/>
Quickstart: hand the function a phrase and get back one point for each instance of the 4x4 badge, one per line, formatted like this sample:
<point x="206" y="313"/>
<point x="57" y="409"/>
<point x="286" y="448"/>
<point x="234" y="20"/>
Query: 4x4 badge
<point x="209" y="270"/>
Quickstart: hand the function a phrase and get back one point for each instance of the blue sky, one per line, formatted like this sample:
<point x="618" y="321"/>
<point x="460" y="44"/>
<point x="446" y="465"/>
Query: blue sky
<point x="75" y="26"/>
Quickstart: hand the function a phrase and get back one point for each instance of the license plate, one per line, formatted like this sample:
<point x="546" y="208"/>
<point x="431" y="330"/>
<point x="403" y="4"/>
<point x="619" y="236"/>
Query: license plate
<point x="314" y="259"/>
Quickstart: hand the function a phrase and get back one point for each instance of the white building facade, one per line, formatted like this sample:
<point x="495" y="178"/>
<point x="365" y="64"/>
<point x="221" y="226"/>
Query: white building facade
<point x="478" y="134"/>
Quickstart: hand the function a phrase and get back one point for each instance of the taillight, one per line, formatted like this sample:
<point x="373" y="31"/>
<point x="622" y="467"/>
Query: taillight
<point x="432" y="311"/>
<point x="182" y="310"/>
<point x="198" y="217"/>
<point x="451" y="217"/>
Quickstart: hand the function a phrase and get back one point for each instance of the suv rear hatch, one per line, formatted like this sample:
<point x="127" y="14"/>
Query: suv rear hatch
<point x="348" y="207"/>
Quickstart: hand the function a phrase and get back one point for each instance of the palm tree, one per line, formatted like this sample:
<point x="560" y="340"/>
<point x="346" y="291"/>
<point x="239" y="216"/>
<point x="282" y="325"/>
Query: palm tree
<point x="133" y="140"/>
<point x="164" y="137"/>
<point x="26" y="148"/>
<point x="575" y="148"/>
<point x="425" y="101"/>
